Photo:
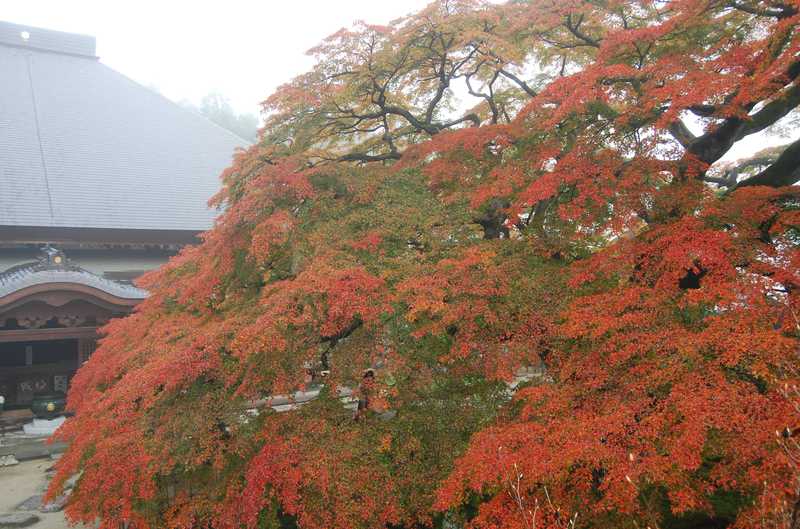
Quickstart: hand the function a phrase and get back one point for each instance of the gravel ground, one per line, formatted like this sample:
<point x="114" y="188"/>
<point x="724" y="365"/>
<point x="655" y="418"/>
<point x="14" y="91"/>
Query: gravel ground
<point x="19" y="483"/>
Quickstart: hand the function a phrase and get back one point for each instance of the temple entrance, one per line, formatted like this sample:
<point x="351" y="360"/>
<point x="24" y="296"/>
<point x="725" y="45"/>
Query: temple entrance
<point x="28" y="368"/>
<point x="49" y="314"/>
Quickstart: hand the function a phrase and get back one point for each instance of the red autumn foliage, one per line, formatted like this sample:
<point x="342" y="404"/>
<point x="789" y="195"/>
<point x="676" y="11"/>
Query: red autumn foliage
<point x="375" y="245"/>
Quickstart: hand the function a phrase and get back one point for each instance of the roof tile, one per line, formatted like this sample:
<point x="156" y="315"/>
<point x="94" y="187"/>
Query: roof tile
<point x="83" y="146"/>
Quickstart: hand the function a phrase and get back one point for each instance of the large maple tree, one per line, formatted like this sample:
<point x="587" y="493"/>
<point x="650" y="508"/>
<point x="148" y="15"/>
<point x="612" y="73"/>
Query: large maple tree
<point x="387" y="244"/>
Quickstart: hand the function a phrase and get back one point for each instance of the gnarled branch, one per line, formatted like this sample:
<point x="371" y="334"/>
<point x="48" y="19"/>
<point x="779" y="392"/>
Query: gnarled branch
<point x="784" y="172"/>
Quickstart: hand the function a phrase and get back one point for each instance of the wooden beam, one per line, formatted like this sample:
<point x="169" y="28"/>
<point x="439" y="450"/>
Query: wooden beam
<point x="37" y="335"/>
<point x="99" y="236"/>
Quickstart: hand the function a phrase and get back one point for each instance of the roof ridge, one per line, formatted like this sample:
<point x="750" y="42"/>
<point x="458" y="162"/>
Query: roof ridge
<point x="39" y="272"/>
<point x="49" y="40"/>
<point x="38" y="49"/>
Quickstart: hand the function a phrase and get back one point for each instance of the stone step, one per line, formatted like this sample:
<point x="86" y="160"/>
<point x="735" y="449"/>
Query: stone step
<point x="17" y="519"/>
<point x="43" y="426"/>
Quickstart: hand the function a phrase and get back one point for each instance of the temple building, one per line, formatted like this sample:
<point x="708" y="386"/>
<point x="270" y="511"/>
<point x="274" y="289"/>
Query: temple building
<point x="101" y="179"/>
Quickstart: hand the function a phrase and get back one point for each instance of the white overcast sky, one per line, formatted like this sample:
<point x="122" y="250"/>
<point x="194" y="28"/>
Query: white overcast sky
<point x="243" y="49"/>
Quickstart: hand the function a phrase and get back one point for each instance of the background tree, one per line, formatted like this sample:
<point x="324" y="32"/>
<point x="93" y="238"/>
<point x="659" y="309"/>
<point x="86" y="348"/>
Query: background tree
<point x="377" y="89"/>
<point x="218" y="109"/>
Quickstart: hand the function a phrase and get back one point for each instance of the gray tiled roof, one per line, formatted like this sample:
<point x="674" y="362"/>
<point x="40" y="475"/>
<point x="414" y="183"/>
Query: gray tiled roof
<point x="83" y="146"/>
<point x="29" y="37"/>
<point x="38" y="273"/>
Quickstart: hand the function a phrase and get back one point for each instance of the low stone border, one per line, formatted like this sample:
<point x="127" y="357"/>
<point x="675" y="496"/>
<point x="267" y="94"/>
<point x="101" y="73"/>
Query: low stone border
<point x="17" y="519"/>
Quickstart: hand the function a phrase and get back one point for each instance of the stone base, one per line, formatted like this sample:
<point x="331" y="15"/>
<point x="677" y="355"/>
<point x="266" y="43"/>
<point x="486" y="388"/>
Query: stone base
<point x="8" y="460"/>
<point x="21" y="519"/>
<point x="43" y="426"/>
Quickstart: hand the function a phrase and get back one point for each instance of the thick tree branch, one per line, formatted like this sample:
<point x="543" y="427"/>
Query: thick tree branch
<point x="725" y="181"/>
<point x="489" y="98"/>
<point x="711" y="146"/>
<point x="682" y="133"/>
<point x="522" y="84"/>
<point x="574" y="28"/>
<point x="774" y="110"/>
<point x="704" y="111"/>
<point x="444" y="83"/>
<point x="416" y="123"/>
<point x="784" y="172"/>
<point x="476" y="121"/>
<point x="779" y="12"/>
<point x="361" y="157"/>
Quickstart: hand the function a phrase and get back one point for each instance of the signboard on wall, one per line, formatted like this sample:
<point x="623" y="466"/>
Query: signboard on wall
<point x="60" y="383"/>
<point x="25" y="391"/>
<point x="29" y="387"/>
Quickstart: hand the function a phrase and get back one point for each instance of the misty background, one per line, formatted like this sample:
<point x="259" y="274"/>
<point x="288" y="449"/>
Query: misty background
<point x="221" y="59"/>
